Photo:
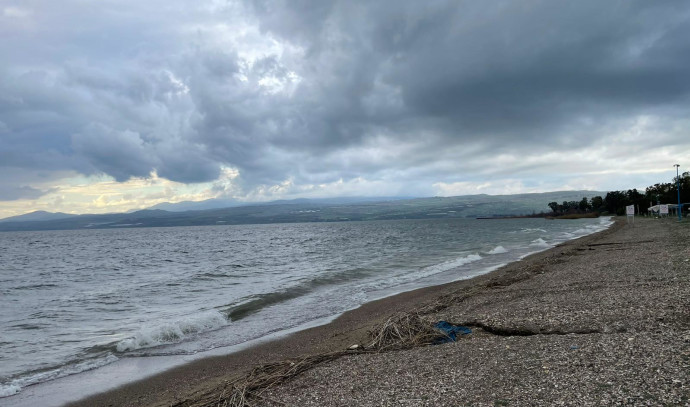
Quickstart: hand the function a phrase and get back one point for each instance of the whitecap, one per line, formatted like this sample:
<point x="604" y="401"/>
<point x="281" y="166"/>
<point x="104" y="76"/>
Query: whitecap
<point x="498" y="250"/>
<point x="425" y="272"/>
<point x="539" y="243"/>
<point x="531" y="230"/>
<point x="449" y="265"/>
<point x="7" y="390"/>
<point x="173" y="331"/>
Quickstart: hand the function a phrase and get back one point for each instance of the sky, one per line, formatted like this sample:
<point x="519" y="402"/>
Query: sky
<point x="117" y="105"/>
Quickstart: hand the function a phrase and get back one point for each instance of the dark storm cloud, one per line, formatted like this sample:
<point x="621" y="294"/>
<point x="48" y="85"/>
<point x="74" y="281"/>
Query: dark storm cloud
<point x="506" y="68"/>
<point x="510" y="76"/>
<point x="354" y="89"/>
<point x="120" y="154"/>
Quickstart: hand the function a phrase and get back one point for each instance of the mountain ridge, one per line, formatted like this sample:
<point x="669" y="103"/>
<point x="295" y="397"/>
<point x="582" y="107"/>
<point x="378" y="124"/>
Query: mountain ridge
<point x="37" y="216"/>
<point x="326" y="210"/>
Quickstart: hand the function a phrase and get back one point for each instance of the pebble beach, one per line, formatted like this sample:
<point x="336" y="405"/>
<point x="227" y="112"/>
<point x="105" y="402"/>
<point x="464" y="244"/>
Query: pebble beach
<point x="601" y="320"/>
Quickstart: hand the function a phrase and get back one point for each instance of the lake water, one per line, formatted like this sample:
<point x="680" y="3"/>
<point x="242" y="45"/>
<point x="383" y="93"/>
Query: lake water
<point x="75" y="301"/>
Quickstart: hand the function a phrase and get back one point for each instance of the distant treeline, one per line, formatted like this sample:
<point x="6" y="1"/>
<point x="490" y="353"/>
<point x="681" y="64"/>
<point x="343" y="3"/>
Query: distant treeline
<point x="615" y="201"/>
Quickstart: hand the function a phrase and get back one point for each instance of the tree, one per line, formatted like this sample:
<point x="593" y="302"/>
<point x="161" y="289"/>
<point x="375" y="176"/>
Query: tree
<point x="553" y="206"/>
<point x="584" y="205"/>
<point x="615" y="202"/>
<point x="660" y="193"/>
<point x="596" y="203"/>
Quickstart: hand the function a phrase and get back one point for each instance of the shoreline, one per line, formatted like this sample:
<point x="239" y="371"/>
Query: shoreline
<point x="600" y="321"/>
<point x="126" y="370"/>
<point x="200" y="376"/>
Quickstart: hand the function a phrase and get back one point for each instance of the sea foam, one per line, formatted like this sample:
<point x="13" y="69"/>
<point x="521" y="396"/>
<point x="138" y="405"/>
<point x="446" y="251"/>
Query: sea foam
<point x="532" y="230"/>
<point x="16" y="385"/>
<point x="173" y="332"/>
<point x="539" y="243"/>
<point x="7" y="390"/>
<point x="497" y="250"/>
<point x="425" y="272"/>
<point x="448" y="265"/>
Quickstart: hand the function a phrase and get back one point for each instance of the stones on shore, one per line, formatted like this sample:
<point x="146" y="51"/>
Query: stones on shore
<point x="603" y="327"/>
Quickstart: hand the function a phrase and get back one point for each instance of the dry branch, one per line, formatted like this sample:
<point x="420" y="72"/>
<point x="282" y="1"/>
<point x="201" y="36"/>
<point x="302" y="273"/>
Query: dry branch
<point x="403" y="331"/>
<point x="400" y="331"/>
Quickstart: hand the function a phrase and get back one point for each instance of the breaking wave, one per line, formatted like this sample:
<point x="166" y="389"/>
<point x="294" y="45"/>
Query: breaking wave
<point x="173" y="332"/>
<point x="498" y="250"/>
<point x="539" y="243"/>
<point x="448" y="265"/>
<point x="7" y="390"/>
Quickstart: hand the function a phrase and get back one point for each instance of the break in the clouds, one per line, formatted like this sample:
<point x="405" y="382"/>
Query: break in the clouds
<point x="309" y="98"/>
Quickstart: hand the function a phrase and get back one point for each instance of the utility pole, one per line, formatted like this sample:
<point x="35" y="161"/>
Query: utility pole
<point x="678" y="187"/>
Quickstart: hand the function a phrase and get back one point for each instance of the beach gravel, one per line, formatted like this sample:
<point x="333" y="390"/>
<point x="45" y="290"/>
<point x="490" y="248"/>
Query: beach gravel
<point x="604" y="321"/>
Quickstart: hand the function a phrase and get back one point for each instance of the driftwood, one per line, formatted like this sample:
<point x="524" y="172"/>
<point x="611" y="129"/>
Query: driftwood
<point x="401" y="331"/>
<point x="404" y="331"/>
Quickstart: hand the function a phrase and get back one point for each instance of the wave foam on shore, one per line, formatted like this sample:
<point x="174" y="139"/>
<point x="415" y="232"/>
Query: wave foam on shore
<point x="173" y="331"/>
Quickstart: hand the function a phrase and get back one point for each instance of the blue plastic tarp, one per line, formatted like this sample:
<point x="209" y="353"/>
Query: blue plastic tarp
<point x="451" y="331"/>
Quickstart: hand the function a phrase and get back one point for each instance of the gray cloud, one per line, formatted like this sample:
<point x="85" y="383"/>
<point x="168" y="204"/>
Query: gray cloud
<point x="13" y="192"/>
<point x="122" y="154"/>
<point x="16" y="182"/>
<point x="425" y="92"/>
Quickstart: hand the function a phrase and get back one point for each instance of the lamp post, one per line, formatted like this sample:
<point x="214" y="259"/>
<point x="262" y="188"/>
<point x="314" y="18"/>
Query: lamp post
<point x="678" y="188"/>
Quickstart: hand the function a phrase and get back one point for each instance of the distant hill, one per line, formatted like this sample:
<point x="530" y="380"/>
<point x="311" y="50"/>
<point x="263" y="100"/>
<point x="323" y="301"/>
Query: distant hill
<point x="230" y="203"/>
<point x="37" y="216"/>
<point x="197" y="205"/>
<point x="327" y="210"/>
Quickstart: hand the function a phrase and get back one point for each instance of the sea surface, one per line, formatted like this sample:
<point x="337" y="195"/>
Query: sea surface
<point x="74" y="301"/>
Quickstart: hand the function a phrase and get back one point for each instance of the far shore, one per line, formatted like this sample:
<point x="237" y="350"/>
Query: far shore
<point x="588" y="215"/>
<point x="592" y="320"/>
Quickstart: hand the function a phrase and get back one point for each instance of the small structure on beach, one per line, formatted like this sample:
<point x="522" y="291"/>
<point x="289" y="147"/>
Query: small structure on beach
<point x="664" y="209"/>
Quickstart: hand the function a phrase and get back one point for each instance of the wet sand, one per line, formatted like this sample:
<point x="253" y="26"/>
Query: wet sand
<point x="594" y="321"/>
